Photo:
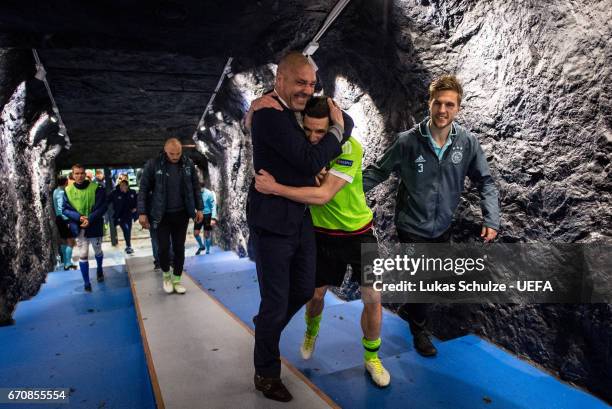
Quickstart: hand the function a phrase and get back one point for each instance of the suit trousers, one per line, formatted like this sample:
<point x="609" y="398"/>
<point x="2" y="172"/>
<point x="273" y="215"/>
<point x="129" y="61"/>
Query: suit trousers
<point x="286" y="273"/>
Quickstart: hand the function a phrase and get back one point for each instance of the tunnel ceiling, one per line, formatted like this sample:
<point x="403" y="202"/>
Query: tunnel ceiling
<point x="126" y="75"/>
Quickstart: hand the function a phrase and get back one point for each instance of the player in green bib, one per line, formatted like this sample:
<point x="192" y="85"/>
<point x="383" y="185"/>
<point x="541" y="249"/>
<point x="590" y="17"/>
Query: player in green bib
<point x="342" y="222"/>
<point x="84" y="206"/>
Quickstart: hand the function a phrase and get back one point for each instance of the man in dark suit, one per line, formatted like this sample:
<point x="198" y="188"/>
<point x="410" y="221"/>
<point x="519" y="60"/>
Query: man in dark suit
<point x="281" y="229"/>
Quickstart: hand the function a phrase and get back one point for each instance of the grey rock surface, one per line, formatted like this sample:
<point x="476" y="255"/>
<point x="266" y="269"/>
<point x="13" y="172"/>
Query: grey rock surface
<point x="26" y="233"/>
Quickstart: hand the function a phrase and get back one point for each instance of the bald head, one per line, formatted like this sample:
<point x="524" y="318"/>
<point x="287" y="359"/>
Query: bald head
<point x="295" y="80"/>
<point x="172" y="142"/>
<point x="173" y="149"/>
<point x="292" y="61"/>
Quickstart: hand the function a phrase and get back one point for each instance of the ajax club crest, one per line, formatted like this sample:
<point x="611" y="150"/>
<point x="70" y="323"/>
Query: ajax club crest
<point x="457" y="155"/>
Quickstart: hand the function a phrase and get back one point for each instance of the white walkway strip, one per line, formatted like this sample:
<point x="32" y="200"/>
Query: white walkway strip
<point x="202" y="357"/>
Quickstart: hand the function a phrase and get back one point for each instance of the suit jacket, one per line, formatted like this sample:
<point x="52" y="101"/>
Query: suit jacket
<point x="281" y="148"/>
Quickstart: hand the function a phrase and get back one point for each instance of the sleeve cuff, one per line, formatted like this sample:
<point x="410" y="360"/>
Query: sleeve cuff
<point x="341" y="175"/>
<point x="492" y="225"/>
<point x="337" y="131"/>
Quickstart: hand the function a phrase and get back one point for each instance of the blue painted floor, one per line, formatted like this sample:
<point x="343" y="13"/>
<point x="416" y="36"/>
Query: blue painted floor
<point x="468" y="372"/>
<point x="66" y="338"/>
<point x="91" y="343"/>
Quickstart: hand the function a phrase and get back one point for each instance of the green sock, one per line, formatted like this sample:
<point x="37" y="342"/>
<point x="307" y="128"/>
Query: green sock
<point x="176" y="279"/>
<point x="166" y="275"/>
<point x="312" y="324"/>
<point x="371" y="348"/>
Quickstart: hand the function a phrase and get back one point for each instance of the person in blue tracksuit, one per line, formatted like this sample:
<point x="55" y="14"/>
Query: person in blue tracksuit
<point x="61" y="222"/>
<point x="210" y="220"/>
<point x="124" y="201"/>
<point x="432" y="161"/>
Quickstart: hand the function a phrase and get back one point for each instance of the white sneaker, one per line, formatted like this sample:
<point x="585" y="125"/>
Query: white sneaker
<point x="168" y="287"/>
<point x="308" y="346"/>
<point x="179" y="288"/>
<point x="378" y="373"/>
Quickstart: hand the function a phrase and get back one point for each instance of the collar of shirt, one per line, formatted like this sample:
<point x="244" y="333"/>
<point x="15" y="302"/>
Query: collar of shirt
<point x="439" y="150"/>
<point x="281" y="99"/>
<point x="298" y="115"/>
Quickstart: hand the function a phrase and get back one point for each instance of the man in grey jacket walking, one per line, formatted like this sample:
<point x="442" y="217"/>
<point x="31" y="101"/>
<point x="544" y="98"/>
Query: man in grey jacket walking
<point x="170" y="195"/>
<point x="432" y="160"/>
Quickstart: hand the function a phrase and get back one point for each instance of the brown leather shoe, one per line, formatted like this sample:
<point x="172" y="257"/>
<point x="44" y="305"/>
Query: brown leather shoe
<point x="272" y="388"/>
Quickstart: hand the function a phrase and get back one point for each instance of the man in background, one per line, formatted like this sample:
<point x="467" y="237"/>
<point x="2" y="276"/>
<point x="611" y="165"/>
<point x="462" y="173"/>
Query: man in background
<point x="170" y="193"/>
<point x="84" y="205"/>
<point x="210" y="220"/>
<point x="124" y="211"/>
<point x="61" y="221"/>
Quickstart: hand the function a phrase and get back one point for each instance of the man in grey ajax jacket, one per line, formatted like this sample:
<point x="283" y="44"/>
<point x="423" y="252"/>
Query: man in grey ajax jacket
<point x="432" y="160"/>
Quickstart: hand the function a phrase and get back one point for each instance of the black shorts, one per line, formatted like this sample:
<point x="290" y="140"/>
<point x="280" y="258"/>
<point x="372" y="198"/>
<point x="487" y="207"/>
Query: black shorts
<point x="205" y="223"/>
<point x="334" y="253"/>
<point x="62" y="226"/>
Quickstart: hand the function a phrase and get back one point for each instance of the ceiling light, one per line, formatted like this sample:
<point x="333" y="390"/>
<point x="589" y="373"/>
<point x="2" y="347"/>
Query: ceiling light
<point x="53" y="118"/>
<point x="219" y="115"/>
<point x="311" y="48"/>
<point x="202" y="128"/>
<point x="40" y="72"/>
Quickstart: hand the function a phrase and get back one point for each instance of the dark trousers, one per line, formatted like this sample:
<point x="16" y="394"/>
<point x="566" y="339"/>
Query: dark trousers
<point x="416" y="313"/>
<point x="172" y="230"/>
<point x="155" y="246"/>
<point x="286" y="273"/>
<point x="126" y="228"/>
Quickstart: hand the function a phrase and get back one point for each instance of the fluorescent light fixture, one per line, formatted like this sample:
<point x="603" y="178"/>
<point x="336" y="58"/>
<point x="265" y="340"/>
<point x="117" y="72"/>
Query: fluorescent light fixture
<point x="40" y="72"/>
<point x="311" y="48"/>
<point x="53" y="118"/>
<point x="226" y="73"/>
<point x="219" y="115"/>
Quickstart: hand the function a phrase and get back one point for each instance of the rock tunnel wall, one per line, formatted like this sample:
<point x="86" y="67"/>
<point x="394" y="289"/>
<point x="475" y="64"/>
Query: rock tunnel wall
<point x="26" y="165"/>
<point x="536" y="79"/>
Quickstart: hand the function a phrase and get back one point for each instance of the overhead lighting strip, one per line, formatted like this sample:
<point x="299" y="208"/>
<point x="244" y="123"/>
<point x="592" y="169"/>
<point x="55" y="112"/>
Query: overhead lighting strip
<point x="41" y="74"/>
<point x="227" y="72"/>
<point x="309" y="51"/>
<point x="313" y="45"/>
